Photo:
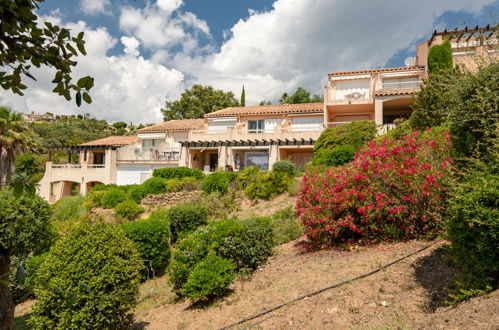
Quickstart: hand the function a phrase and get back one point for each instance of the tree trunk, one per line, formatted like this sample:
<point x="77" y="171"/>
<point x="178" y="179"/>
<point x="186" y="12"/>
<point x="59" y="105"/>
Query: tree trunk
<point x="6" y="303"/>
<point x="7" y="159"/>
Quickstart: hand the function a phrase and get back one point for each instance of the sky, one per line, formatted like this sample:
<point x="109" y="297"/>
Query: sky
<point x="144" y="52"/>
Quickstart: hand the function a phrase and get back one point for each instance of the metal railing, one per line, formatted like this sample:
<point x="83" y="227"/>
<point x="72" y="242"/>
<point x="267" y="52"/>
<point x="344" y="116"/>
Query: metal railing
<point x="333" y="124"/>
<point x="148" y="154"/>
<point x="401" y="85"/>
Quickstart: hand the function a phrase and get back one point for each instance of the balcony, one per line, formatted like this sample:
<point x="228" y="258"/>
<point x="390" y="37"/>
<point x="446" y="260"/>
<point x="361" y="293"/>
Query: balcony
<point x="238" y="134"/>
<point x="148" y="155"/>
<point x="400" y="85"/>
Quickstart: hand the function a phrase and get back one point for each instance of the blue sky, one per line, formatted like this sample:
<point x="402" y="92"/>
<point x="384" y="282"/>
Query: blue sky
<point x="142" y="53"/>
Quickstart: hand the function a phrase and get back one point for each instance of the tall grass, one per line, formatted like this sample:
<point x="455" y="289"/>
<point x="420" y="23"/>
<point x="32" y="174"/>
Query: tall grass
<point x="68" y="208"/>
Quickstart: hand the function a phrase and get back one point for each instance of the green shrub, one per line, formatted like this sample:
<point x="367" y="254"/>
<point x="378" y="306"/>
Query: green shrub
<point x="440" y="57"/>
<point x="210" y="278"/>
<point x="185" y="218"/>
<point x="177" y="173"/>
<point x="285" y="167"/>
<point x="217" y="204"/>
<point x="104" y="187"/>
<point x="136" y="193"/>
<point x="336" y="156"/>
<point x="473" y="228"/>
<point x="251" y="245"/>
<point x="93" y="199"/>
<point x="32" y="266"/>
<point x="128" y="210"/>
<point x="174" y="185"/>
<point x="154" y="186"/>
<point x="248" y="176"/>
<point x="286" y="226"/>
<point x="195" y="247"/>
<point x="112" y="197"/>
<point x="357" y="133"/>
<point x="190" y="184"/>
<point x="152" y="238"/>
<point x="218" y="181"/>
<point x="70" y="207"/>
<point x="93" y="274"/>
<point x="268" y="185"/>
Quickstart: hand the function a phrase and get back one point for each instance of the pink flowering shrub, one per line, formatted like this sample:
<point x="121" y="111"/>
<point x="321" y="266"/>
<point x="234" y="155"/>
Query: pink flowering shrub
<point x="392" y="190"/>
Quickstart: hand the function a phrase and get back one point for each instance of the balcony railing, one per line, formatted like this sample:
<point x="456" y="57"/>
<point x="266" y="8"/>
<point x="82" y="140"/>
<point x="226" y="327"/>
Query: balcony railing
<point x="401" y="85"/>
<point x="333" y="124"/>
<point x="160" y="154"/>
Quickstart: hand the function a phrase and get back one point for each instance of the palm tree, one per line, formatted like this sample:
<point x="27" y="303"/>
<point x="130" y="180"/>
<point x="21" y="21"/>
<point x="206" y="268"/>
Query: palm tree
<point x="15" y="137"/>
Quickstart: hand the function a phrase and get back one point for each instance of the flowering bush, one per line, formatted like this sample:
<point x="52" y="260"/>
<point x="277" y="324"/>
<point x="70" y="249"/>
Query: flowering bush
<point x="394" y="189"/>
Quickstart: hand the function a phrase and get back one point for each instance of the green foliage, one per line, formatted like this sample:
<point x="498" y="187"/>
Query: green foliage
<point x="248" y="176"/>
<point x="174" y="185"/>
<point x="27" y="168"/>
<point x="218" y="181"/>
<point x="70" y="207"/>
<point x="217" y="204"/>
<point x="93" y="199"/>
<point x="112" y="197"/>
<point x="286" y="167"/>
<point x="251" y="245"/>
<point x="247" y="242"/>
<point x="197" y="102"/>
<point x="243" y="98"/>
<point x="357" y="133"/>
<point x="185" y="218"/>
<point x="152" y="238"/>
<point x="136" y="193"/>
<point x="268" y="184"/>
<point x="301" y="95"/>
<point x="90" y="279"/>
<point x="120" y="124"/>
<point x="286" y="226"/>
<point x="154" y="186"/>
<point x="210" y="278"/>
<point x="30" y="43"/>
<point x="190" y="183"/>
<point x="177" y="173"/>
<point x="128" y="210"/>
<point x="32" y="266"/>
<point x="336" y="156"/>
<point x="467" y="103"/>
<point x="473" y="227"/>
<point x="440" y="57"/>
<point x="25" y="223"/>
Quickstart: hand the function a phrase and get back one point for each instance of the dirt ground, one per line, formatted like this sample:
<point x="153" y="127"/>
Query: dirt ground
<point x="406" y="295"/>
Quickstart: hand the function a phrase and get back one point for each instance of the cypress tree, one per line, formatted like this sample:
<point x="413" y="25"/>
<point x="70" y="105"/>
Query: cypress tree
<point x="243" y="98"/>
<point x="440" y="57"/>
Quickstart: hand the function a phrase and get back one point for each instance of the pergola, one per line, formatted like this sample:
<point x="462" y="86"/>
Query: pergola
<point x="72" y="149"/>
<point x="248" y="143"/>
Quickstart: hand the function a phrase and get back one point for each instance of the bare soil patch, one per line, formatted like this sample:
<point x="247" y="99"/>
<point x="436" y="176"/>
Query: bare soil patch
<point x="403" y="296"/>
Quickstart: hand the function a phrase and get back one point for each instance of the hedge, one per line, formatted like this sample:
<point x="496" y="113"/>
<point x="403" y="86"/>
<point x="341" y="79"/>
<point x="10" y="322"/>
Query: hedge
<point x="177" y="173"/>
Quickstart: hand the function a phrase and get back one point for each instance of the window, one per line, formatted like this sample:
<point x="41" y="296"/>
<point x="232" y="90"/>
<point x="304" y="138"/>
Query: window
<point x="150" y="143"/>
<point x="259" y="159"/>
<point x="401" y="83"/>
<point x="256" y="126"/>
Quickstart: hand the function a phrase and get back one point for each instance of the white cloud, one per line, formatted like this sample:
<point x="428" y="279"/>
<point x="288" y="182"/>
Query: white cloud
<point x="169" y="5"/>
<point x="94" y="7"/>
<point x="127" y="87"/>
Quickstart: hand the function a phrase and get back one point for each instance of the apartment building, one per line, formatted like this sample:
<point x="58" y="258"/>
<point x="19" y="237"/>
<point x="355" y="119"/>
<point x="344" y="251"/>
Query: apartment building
<point x="238" y="137"/>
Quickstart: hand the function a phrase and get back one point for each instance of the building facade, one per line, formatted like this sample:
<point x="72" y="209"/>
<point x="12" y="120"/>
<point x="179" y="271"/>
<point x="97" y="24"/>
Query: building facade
<point x="239" y="137"/>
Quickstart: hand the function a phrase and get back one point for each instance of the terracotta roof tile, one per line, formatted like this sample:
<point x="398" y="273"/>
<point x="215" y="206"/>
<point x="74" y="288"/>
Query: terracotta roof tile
<point x="396" y="92"/>
<point x="114" y="141"/>
<point x="401" y="68"/>
<point x="173" y="125"/>
<point x="268" y="110"/>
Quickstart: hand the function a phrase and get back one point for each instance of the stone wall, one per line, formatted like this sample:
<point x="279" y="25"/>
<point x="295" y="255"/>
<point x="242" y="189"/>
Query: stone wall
<point x="163" y="200"/>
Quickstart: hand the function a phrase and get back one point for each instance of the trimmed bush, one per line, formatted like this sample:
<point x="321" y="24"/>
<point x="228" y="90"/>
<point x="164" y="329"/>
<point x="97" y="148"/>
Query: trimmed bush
<point x="93" y="199"/>
<point x="357" y="133"/>
<point x="152" y="238"/>
<point x="338" y="155"/>
<point x="112" y="197"/>
<point x="286" y="226"/>
<point x="32" y="266"/>
<point x="285" y="167"/>
<point x="195" y="247"/>
<point x="154" y="186"/>
<point x="267" y="185"/>
<point x="128" y="210"/>
<point x="393" y="190"/>
<point x="473" y="228"/>
<point x="218" y="181"/>
<point x="210" y="278"/>
<point x="178" y="173"/>
<point x="70" y="207"/>
<point x="136" y="194"/>
<point x="440" y="57"/>
<point x="93" y="274"/>
<point x="251" y="245"/>
<point x="103" y="187"/>
<point x="185" y="218"/>
<point x="174" y="185"/>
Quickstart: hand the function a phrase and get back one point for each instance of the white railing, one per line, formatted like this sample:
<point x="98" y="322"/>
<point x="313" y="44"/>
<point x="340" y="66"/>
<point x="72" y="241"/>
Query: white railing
<point x="134" y="154"/>
<point x="256" y="131"/>
<point x="96" y="165"/>
<point x="333" y="124"/>
<point x="402" y="85"/>
<point x="66" y="165"/>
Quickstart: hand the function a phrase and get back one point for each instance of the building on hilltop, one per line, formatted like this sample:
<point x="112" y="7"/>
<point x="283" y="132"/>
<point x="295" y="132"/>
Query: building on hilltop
<point x="239" y="137"/>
